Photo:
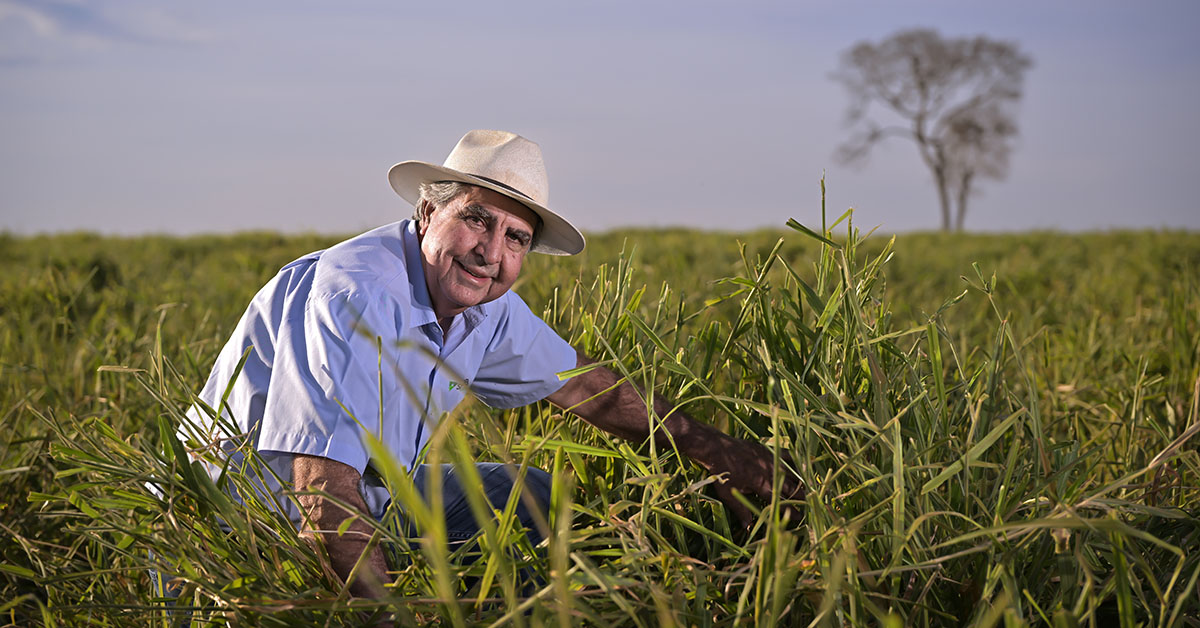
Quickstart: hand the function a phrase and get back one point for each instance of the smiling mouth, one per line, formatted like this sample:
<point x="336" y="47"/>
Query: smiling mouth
<point x="473" y="274"/>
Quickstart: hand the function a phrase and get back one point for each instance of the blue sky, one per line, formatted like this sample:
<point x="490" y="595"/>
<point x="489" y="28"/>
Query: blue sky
<point x="139" y="116"/>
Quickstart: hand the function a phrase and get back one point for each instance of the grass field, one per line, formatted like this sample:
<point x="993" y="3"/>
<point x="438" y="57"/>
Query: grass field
<point x="993" y="428"/>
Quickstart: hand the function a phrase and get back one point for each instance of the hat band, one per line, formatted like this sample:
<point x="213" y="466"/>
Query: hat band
<point x="503" y="185"/>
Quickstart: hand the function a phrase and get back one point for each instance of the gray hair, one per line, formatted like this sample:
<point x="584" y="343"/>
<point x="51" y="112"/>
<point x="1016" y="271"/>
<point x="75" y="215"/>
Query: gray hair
<point x="440" y="193"/>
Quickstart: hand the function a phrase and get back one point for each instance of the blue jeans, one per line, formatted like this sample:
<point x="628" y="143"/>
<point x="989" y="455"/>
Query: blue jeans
<point x="497" y="482"/>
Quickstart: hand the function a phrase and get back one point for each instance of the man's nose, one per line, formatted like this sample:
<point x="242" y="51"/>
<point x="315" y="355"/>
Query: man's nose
<point x="491" y="247"/>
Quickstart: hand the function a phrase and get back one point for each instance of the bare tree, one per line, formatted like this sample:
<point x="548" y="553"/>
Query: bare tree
<point x="956" y="99"/>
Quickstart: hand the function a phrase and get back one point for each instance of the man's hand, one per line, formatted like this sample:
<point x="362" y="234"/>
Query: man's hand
<point x="745" y="466"/>
<point x="323" y="517"/>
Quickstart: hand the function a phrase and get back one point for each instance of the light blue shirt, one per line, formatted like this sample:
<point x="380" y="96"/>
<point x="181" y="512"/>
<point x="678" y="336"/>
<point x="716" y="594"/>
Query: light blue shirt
<point x="345" y="340"/>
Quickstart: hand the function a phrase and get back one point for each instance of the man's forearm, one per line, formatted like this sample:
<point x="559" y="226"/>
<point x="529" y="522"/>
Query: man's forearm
<point x="622" y="411"/>
<point x="323" y="517"/>
<point x="745" y="466"/>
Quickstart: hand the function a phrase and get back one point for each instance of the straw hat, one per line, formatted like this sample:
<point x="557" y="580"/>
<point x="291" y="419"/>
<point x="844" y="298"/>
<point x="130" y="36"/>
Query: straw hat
<point x="502" y="162"/>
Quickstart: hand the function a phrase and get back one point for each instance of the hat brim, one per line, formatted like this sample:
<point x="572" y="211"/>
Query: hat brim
<point x="556" y="237"/>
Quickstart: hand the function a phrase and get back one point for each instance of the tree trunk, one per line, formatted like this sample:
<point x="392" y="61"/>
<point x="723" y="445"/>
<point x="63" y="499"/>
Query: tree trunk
<point x="939" y="179"/>
<point x="964" y="191"/>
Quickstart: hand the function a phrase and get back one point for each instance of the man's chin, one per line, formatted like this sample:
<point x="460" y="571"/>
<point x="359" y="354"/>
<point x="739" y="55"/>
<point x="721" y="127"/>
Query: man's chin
<point x="470" y="298"/>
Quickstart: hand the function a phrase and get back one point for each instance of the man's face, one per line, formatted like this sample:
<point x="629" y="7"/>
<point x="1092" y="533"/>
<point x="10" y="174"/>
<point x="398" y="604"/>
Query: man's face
<point x="473" y="249"/>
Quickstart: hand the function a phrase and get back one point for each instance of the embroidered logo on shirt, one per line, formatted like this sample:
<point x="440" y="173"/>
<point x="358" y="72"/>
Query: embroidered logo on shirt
<point x="454" y="385"/>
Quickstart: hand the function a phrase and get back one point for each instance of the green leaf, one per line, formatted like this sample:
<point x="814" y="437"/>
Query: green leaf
<point x="794" y="224"/>
<point x="973" y="454"/>
<point x="17" y="570"/>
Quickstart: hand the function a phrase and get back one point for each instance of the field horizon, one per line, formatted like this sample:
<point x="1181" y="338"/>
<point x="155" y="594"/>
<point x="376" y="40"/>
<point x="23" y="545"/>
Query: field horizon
<point x="873" y="231"/>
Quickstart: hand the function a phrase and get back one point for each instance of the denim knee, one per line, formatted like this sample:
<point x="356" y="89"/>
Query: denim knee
<point x="538" y="484"/>
<point x="499" y="480"/>
<point x="497" y="483"/>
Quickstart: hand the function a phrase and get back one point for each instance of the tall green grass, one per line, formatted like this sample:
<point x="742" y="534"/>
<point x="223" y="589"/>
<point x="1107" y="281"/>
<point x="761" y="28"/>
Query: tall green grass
<point x="1010" y="440"/>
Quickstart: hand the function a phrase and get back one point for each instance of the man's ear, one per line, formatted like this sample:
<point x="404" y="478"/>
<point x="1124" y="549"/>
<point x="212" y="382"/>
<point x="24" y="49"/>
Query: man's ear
<point x="424" y="209"/>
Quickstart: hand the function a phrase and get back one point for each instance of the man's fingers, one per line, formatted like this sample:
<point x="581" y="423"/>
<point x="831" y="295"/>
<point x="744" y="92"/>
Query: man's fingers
<point x="743" y="514"/>
<point x="756" y="476"/>
<point x="792" y="487"/>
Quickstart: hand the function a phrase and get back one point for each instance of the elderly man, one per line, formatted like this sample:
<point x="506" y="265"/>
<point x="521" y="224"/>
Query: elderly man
<point x="386" y="331"/>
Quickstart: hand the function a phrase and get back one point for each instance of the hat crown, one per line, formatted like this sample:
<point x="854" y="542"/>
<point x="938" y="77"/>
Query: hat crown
<point x="505" y="158"/>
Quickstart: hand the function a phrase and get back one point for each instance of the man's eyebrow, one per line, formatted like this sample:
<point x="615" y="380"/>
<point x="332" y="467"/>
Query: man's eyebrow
<point x="520" y="234"/>
<point x="478" y="211"/>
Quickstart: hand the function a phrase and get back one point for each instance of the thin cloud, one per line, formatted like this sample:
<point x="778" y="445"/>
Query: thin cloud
<point x="92" y="25"/>
<point x="33" y="15"/>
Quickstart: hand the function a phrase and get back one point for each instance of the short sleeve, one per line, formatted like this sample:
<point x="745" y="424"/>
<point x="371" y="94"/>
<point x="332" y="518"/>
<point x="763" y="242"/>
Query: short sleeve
<point x="523" y="360"/>
<point x="324" y="391"/>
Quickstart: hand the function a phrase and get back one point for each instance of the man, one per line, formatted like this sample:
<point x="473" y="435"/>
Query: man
<point x="385" y="332"/>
